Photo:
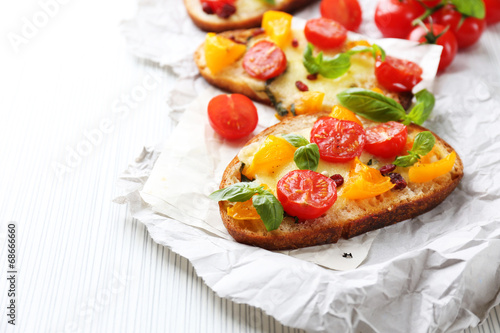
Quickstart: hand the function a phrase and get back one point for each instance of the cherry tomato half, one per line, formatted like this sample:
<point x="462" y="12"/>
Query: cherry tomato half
<point x="492" y="11"/>
<point x="306" y="194"/>
<point x="346" y="12"/>
<point x="447" y="40"/>
<point x="386" y="140"/>
<point x="338" y="140"/>
<point x="394" y="17"/>
<point x="264" y="60"/>
<point x="325" y="33"/>
<point x="467" y="32"/>
<point x="397" y="74"/>
<point x="232" y="116"/>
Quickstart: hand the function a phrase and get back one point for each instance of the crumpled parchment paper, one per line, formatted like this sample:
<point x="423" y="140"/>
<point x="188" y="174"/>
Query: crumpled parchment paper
<point x="438" y="272"/>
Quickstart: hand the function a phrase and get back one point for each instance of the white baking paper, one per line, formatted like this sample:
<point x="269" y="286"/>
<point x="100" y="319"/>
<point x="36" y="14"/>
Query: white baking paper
<point x="438" y="272"/>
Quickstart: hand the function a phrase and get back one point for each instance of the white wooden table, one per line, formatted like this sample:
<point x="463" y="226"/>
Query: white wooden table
<point x="76" y="109"/>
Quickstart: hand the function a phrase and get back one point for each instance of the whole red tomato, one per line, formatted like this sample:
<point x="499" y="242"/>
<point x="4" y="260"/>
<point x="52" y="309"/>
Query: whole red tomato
<point x="394" y="17"/>
<point x="346" y="12"/>
<point x="492" y="11"/>
<point x="467" y="30"/>
<point x="232" y="116"/>
<point x="433" y="34"/>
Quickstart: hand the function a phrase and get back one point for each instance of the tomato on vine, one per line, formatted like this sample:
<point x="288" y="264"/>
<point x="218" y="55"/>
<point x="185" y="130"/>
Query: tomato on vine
<point x="394" y="17"/>
<point x="440" y="35"/>
<point x="467" y="29"/>
<point x="492" y="11"/>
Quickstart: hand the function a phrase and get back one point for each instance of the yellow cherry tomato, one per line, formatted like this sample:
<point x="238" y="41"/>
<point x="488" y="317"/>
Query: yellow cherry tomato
<point x="310" y="102"/>
<point x="274" y="153"/>
<point x="424" y="172"/>
<point x="365" y="182"/>
<point x="221" y="52"/>
<point x="353" y="43"/>
<point x="243" y="211"/>
<point x="342" y="113"/>
<point x="377" y="90"/>
<point x="278" y="26"/>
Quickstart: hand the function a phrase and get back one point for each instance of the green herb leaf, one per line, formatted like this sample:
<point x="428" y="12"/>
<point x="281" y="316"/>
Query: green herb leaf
<point x="421" y="111"/>
<point x="269" y="209"/>
<point x="405" y="161"/>
<point x="422" y="145"/>
<point x="474" y="8"/>
<point x="271" y="2"/>
<point x="329" y="68"/>
<point x="371" y="105"/>
<point x="295" y="140"/>
<point x="238" y="192"/>
<point x="307" y="157"/>
<point x="337" y="66"/>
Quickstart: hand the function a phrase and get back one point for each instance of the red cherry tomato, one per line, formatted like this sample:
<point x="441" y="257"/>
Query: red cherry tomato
<point x="386" y="140"/>
<point x="232" y="116"/>
<point x="492" y="11"/>
<point x="467" y="32"/>
<point x="431" y="3"/>
<point x="397" y="74"/>
<point x="325" y="33"/>
<point x="346" y="12"/>
<point x="338" y="140"/>
<point x="447" y="40"/>
<point x="394" y="17"/>
<point x="306" y="194"/>
<point x="264" y="60"/>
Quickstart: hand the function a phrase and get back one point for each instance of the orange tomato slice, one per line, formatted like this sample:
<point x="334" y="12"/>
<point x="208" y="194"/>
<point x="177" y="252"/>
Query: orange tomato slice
<point x="243" y="211"/>
<point x="424" y="172"/>
<point x="310" y="102"/>
<point x="365" y="182"/>
<point x="278" y="26"/>
<point x="221" y="52"/>
<point x="274" y="153"/>
<point x="342" y="113"/>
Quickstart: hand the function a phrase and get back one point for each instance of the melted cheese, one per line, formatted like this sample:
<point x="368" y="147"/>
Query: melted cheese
<point x="361" y="74"/>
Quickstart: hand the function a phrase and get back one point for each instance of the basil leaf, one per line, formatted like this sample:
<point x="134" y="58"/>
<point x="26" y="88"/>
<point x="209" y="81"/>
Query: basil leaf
<point x="336" y="67"/>
<point x="421" y="111"/>
<point x="295" y="140"/>
<point x="474" y="8"/>
<point x="371" y="105"/>
<point x="311" y="63"/>
<point x="307" y="157"/>
<point x="405" y="161"/>
<point x="238" y="192"/>
<point x="423" y="143"/>
<point x="269" y="208"/>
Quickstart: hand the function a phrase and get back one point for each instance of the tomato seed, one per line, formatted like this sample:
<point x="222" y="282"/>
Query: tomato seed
<point x="338" y="179"/>
<point x="387" y="168"/>
<point x="301" y="86"/>
<point x="312" y="77"/>
<point x="398" y="180"/>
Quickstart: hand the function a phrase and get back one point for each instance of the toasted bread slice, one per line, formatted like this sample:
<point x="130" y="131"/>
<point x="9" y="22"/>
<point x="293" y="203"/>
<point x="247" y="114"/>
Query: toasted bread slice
<point x="283" y="88"/>
<point x="346" y="218"/>
<point x="248" y="14"/>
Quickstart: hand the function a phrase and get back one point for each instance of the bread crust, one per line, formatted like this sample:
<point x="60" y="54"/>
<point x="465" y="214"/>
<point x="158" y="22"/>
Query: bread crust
<point x="212" y="23"/>
<point x="233" y="82"/>
<point x="383" y="210"/>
